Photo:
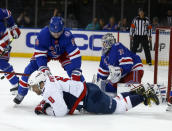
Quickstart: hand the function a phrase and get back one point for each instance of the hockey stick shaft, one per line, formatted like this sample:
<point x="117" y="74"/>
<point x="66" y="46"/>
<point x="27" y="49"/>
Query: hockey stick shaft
<point x="20" y="74"/>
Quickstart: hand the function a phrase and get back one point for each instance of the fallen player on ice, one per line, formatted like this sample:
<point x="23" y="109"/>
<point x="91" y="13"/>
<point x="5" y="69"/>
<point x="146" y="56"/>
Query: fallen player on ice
<point x="62" y="96"/>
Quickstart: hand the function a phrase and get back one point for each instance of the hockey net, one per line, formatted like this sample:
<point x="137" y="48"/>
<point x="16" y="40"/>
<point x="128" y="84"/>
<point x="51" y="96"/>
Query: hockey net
<point x="163" y="57"/>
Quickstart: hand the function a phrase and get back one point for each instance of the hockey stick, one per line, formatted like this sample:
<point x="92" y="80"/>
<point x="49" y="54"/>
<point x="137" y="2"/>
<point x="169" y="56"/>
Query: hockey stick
<point x="20" y="74"/>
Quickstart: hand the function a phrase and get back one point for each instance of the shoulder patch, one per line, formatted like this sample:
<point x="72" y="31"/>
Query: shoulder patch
<point x="67" y="33"/>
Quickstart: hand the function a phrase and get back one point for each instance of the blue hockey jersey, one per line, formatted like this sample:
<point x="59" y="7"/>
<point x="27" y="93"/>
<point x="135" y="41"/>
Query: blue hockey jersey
<point x="63" y="49"/>
<point x="5" y="16"/>
<point x="121" y="57"/>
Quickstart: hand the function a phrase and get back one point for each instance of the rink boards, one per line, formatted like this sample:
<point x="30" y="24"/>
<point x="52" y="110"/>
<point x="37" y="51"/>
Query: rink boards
<point x="89" y="43"/>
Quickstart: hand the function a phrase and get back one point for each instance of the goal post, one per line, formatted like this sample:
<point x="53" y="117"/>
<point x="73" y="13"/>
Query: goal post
<point x="163" y="58"/>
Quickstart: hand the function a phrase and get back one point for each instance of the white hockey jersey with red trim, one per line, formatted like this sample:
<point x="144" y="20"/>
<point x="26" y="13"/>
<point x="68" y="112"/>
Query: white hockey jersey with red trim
<point x="63" y="95"/>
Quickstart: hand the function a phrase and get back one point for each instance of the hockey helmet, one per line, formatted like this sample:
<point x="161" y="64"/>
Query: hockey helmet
<point x="108" y="40"/>
<point x="36" y="77"/>
<point x="56" y="24"/>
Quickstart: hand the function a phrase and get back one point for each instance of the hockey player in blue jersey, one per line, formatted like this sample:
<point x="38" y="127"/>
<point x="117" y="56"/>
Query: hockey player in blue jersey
<point x="117" y="63"/>
<point x="63" y="96"/>
<point x="5" y="48"/>
<point x="54" y="42"/>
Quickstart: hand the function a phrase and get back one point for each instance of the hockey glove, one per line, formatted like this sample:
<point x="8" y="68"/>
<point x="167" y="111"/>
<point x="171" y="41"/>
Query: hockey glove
<point x="41" y="108"/>
<point x="115" y="74"/>
<point x="76" y="75"/>
<point x="4" y="48"/>
<point x="15" y="32"/>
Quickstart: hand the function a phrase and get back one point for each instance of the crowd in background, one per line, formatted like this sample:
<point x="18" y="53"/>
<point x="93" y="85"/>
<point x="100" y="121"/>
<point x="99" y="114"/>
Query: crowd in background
<point x="80" y="14"/>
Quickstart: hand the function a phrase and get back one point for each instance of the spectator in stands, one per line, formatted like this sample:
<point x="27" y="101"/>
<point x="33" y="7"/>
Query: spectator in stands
<point x="168" y="19"/>
<point x="23" y="20"/>
<point x="57" y="13"/>
<point x="123" y="25"/>
<point x="155" y="23"/>
<point x="111" y="25"/>
<point x="71" y="22"/>
<point x="101" y="23"/>
<point x="94" y="25"/>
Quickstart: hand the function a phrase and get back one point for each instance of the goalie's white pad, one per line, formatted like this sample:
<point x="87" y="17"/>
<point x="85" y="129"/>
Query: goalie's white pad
<point x="115" y="73"/>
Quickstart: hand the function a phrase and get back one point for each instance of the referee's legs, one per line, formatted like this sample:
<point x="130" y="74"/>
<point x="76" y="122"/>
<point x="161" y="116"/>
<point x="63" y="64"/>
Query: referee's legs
<point x="146" y="48"/>
<point x="135" y="44"/>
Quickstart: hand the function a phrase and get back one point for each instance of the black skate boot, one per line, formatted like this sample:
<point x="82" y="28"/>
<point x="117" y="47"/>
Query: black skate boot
<point x="150" y="95"/>
<point x="18" y="99"/>
<point x="140" y="90"/>
<point x="14" y="90"/>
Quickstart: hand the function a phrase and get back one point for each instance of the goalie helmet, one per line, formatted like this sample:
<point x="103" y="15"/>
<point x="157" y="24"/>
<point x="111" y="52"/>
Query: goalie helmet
<point x="36" y="77"/>
<point x="108" y="40"/>
<point x="56" y="24"/>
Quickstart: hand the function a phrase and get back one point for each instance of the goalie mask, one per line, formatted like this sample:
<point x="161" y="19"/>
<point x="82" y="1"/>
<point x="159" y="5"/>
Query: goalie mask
<point x="108" y="40"/>
<point x="35" y="81"/>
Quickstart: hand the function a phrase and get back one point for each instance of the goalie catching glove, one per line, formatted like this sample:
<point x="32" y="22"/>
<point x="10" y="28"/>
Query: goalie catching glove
<point x="115" y="74"/>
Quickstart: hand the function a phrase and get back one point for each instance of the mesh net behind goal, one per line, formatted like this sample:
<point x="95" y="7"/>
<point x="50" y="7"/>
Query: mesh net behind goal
<point x="163" y="57"/>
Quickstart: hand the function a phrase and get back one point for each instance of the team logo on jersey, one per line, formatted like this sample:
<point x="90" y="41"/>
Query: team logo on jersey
<point x="53" y="52"/>
<point x="67" y="33"/>
<point x="121" y="51"/>
<point x="51" y="48"/>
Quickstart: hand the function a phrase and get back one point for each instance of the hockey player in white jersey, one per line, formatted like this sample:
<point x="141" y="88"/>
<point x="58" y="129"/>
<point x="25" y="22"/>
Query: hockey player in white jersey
<point x="62" y="96"/>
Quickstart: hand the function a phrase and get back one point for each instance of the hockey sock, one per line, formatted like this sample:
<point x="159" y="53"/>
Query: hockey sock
<point x="136" y="99"/>
<point x="13" y="79"/>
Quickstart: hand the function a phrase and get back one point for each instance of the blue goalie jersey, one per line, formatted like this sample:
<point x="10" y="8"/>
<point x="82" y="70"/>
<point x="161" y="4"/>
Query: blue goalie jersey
<point x="119" y="56"/>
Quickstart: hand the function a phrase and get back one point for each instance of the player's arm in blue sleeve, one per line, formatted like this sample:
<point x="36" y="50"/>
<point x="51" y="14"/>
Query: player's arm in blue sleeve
<point x="103" y="71"/>
<point x="41" y="53"/>
<point x="126" y="63"/>
<point x="73" y="54"/>
<point x="120" y="56"/>
<point x="5" y="14"/>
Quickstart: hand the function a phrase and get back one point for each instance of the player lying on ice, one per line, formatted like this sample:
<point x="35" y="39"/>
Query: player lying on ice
<point x="62" y="96"/>
<point x="118" y="63"/>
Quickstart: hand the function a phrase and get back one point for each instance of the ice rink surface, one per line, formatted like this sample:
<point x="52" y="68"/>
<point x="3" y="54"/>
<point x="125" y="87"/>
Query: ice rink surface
<point x="22" y="117"/>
